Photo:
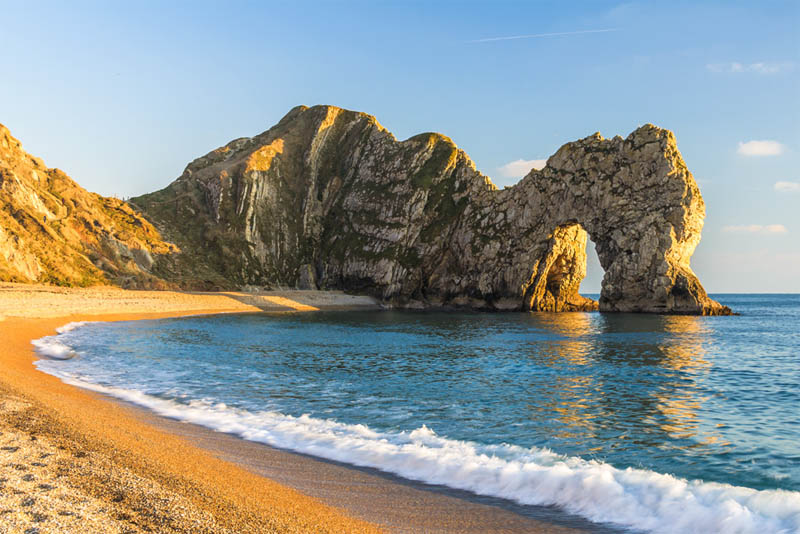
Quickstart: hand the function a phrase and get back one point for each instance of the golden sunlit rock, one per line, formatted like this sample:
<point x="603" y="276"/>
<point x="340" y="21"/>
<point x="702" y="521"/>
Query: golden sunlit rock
<point x="328" y="198"/>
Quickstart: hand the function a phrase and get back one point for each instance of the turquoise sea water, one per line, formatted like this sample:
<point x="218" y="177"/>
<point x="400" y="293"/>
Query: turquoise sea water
<point x="661" y="423"/>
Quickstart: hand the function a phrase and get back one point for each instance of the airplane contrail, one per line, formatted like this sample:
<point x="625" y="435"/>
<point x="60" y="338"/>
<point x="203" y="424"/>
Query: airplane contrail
<point x="540" y="35"/>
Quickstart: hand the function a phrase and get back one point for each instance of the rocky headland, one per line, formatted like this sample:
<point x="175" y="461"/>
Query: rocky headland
<point x="329" y="199"/>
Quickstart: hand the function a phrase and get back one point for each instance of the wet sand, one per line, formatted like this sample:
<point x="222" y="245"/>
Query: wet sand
<point x="399" y="505"/>
<point x="74" y="461"/>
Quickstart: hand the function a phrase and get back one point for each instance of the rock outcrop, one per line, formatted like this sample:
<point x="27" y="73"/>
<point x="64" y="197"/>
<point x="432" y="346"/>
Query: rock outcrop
<point x="54" y="231"/>
<point x="328" y="198"/>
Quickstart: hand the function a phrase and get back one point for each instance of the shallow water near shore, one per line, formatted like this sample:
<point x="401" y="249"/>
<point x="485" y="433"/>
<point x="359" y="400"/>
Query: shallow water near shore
<point x="659" y="423"/>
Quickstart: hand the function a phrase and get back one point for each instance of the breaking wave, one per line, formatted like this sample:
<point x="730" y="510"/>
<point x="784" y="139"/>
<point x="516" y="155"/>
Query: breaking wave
<point x="51" y="347"/>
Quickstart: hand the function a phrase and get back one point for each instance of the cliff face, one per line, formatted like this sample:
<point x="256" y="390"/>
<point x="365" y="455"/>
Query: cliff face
<point x="54" y="231"/>
<point x="328" y="198"/>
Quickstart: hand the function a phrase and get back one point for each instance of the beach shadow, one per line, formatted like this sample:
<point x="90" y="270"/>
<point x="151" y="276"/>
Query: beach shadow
<point x="268" y="302"/>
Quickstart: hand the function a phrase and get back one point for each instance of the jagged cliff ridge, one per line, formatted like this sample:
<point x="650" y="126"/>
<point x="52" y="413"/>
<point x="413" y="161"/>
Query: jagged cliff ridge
<point x="54" y="231"/>
<point x="328" y="198"/>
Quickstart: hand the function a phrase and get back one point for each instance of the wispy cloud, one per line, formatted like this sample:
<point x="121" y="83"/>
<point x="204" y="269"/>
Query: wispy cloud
<point x="521" y="167"/>
<point x="537" y="35"/>
<point x="735" y="67"/>
<point x="787" y="187"/>
<point x="760" y="148"/>
<point x="756" y="229"/>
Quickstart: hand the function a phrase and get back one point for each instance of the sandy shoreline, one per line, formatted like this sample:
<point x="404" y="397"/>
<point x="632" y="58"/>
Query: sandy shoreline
<point x="129" y="476"/>
<point x="38" y="302"/>
<point x="399" y="505"/>
<point x="72" y="461"/>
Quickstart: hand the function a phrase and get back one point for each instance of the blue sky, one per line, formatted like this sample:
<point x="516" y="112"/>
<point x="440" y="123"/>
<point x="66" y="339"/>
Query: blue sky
<point x="123" y="95"/>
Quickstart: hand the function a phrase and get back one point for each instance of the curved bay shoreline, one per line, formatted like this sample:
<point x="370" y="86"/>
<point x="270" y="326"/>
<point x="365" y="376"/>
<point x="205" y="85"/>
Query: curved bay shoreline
<point x="78" y="461"/>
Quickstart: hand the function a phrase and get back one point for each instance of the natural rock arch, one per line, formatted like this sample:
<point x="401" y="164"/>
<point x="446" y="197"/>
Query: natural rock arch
<point x="328" y="198"/>
<point x="642" y="208"/>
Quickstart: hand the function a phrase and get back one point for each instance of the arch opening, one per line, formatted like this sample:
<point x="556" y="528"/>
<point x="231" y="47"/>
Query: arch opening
<point x="556" y="278"/>
<point x="592" y="283"/>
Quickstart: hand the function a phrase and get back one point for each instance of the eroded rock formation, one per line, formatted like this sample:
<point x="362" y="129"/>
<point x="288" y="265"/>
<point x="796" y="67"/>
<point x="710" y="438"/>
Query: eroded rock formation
<point x="54" y="231"/>
<point x="328" y="198"/>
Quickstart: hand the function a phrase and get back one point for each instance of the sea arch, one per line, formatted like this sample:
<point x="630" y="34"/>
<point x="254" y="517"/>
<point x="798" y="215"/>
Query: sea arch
<point x="640" y="205"/>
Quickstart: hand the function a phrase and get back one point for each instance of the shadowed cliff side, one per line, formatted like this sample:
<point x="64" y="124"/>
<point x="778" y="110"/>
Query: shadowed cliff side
<point x="328" y="198"/>
<point x="53" y="231"/>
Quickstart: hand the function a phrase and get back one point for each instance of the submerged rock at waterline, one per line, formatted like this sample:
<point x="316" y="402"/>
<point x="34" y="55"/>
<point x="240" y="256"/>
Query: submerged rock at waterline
<point x="328" y="198"/>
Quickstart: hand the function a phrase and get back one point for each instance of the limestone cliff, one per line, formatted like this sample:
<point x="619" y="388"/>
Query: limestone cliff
<point x="328" y="198"/>
<point x="54" y="231"/>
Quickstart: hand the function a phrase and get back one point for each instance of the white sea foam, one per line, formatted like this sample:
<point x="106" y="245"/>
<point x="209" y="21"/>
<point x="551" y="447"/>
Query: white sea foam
<point x="52" y="347"/>
<point x="69" y="327"/>
<point x="631" y="497"/>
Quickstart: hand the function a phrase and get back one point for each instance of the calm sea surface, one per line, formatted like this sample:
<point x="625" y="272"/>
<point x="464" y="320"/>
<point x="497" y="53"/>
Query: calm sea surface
<point x="640" y="414"/>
